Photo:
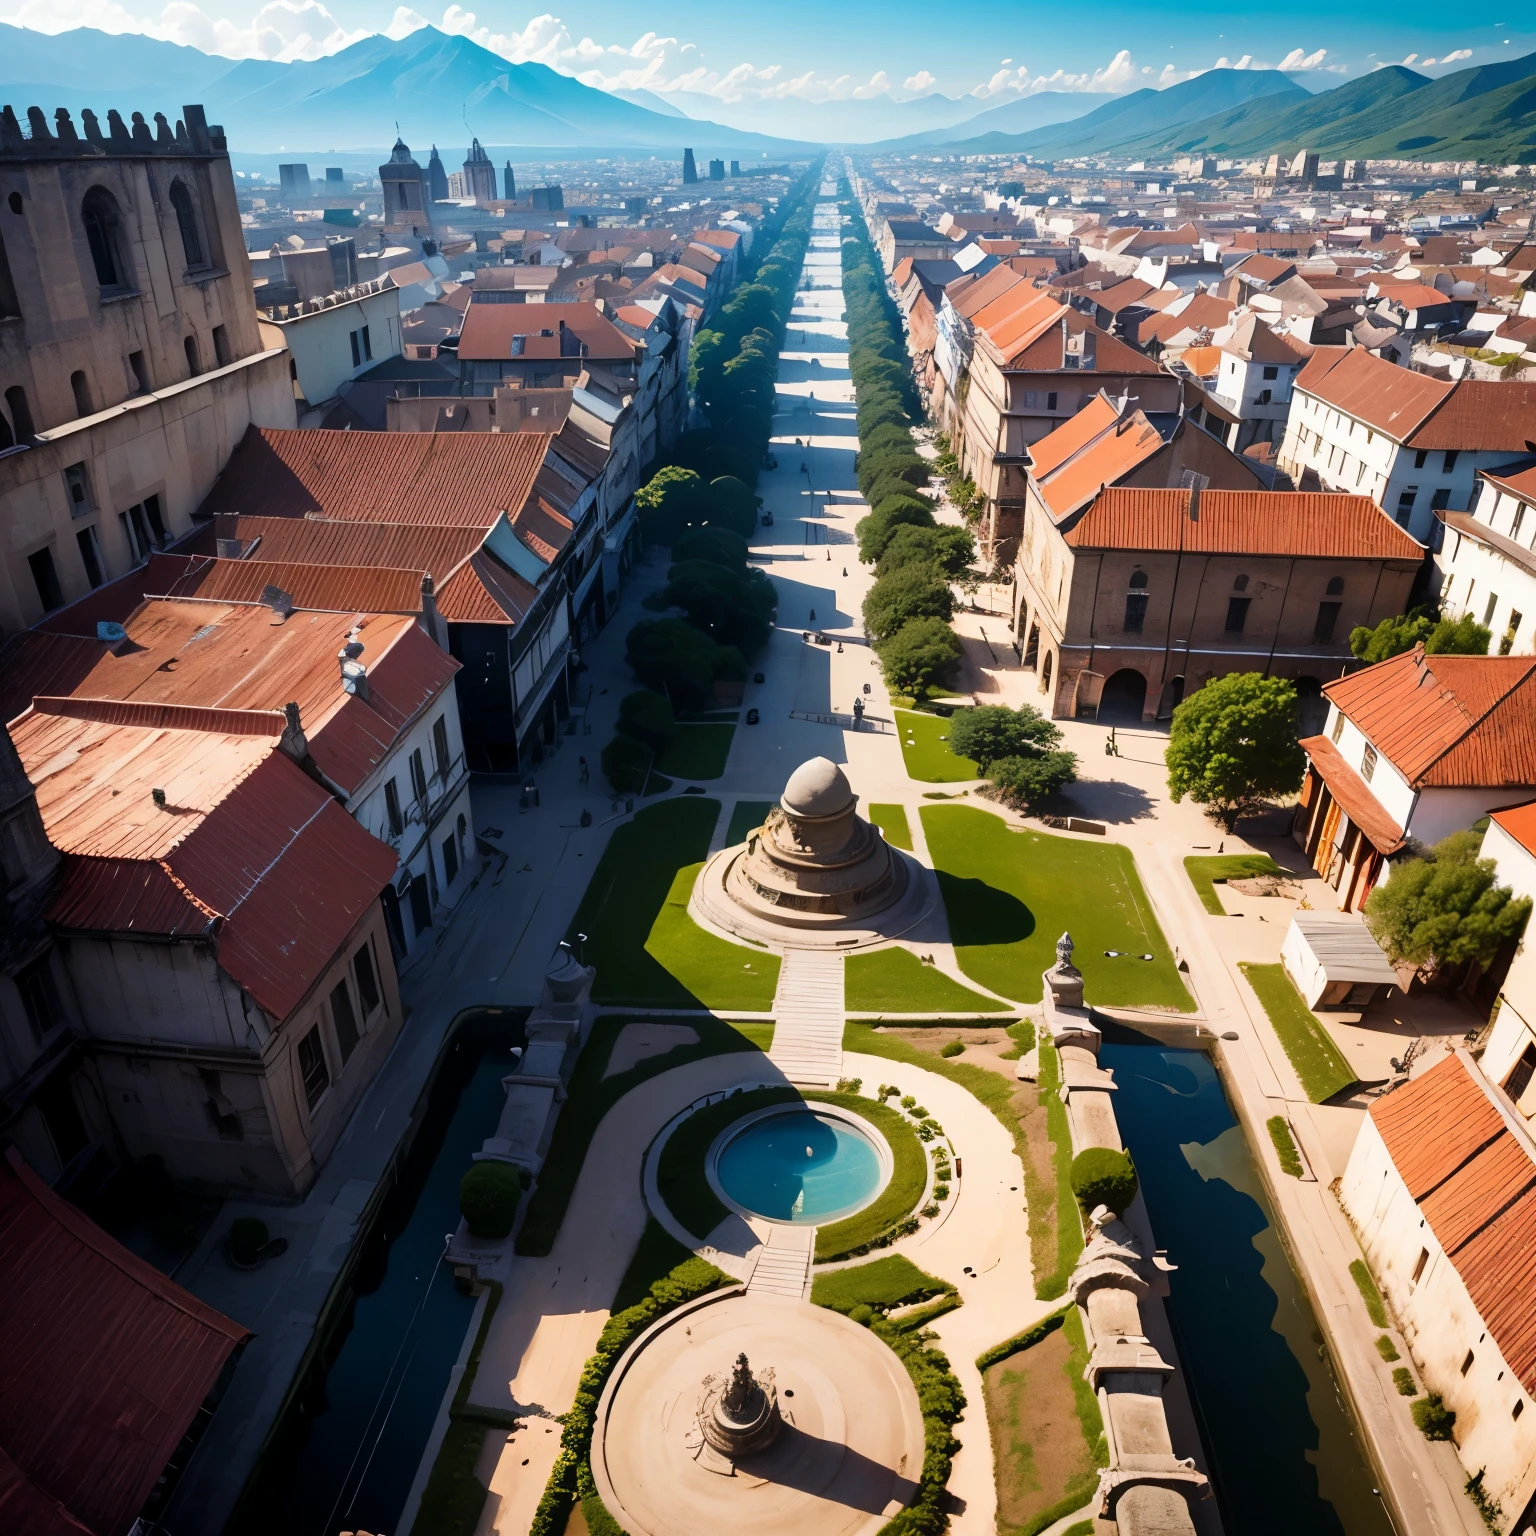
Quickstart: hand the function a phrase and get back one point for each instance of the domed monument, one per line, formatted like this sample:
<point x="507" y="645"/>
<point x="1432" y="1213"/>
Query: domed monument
<point x="815" y="865"/>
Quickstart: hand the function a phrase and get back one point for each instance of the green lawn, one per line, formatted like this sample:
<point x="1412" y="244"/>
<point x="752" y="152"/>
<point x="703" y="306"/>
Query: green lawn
<point x="1318" y="1061"/>
<point x="1010" y="894"/>
<point x="889" y="1282"/>
<point x="896" y="981"/>
<point x="927" y="757"/>
<point x="697" y="752"/>
<point x="892" y="820"/>
<point x="747" y="816"/>
<point x="1202" y="871"/>
<point x="647" y="950"/>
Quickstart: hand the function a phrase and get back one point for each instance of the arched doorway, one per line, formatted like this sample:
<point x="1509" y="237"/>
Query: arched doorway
<point x="1124" y="697"/>
<point x="1032" y="649"/>
<point x="1173" y="696"/>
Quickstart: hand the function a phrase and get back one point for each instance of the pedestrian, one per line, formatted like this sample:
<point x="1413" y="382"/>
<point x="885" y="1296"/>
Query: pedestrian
<point x="585" y="772"/>
<point x="813" y="615"/>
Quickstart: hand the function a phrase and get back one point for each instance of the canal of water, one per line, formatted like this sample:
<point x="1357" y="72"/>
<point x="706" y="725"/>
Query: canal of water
<point x="346" y="1452"/>
<point x="1284" y="1456"/>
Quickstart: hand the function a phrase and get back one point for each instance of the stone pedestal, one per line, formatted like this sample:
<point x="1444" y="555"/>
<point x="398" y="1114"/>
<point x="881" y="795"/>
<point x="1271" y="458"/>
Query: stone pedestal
<point x="739" y="1413"/>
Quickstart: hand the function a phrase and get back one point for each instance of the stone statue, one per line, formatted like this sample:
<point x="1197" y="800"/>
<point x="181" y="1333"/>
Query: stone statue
<point x="742" y="1415"/>
<point x="1064" y="948"/>
<point x="1064" y="982"/>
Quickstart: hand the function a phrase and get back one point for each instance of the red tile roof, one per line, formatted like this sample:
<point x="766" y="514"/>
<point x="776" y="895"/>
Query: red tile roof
<point x="318" y="588"/>
<point x="1311" y="525"/>
<point x="1519" y="482"/>
<point x="459" y="479"/>
<point x="1390" y="399"/>
<point x="1092" y="450"/>
<point x="575" y="331"/>
<point x="260" y="854"/>
<point x="106" y="1364"/>
<point x="1472" y="1173"/>
<point x="1483" y="415"/>
<point x="1519" y="821"/>
<point x="1448" y="721"/>
<point x="1354" y="795"/>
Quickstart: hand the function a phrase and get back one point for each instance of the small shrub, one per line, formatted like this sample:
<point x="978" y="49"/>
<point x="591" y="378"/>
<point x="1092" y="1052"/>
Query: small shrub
<point x="941" y="1191"/>
<point x="918" y="1112"/>
<point x="1102" y="1176"/>
<point x="247" y="1237"/>
<point x="488" y="1196"/>
<point x="625" y="761"/>
<point x="907" y="1101"/>
<point x="1368" y="1292"/>
<point x="1402" y="1379"/>
<point x="1434" y="1420"/>
<point x="931" y="1209"/>
<point x="1489" y="1508"/>
<point x="1285" y="1146"/>
<point x="648" y="717"/>
<point x="1386" y="1349"/>
<point x="954" y="1048"/>
<point x="862" y="1313"/>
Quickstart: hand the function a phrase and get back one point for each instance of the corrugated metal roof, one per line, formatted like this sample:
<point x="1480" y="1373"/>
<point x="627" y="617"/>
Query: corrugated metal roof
<point x="484" y="591"/>
<point x="106" y="1364"/>
<point x="1344" y="948"/>
<point x="1354" y="795"/>
<point x="462" y="479"/>
<point x="1309" y="524"/>
<point x="328" y="588"/>
<point x="1473" y="1175"/>
<point x="1448" y="721"/>
<point x="1484" y="415"/>
<point x="348" y="542"/>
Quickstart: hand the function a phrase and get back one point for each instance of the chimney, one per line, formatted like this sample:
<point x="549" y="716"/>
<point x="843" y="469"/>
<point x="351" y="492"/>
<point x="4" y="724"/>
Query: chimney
<point x="431" y="620"/>
<point x="354" y="675"/>
<point x="293" y="741"/>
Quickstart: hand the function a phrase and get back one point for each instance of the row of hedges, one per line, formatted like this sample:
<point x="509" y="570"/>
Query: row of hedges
<point x="703" y="507"/>
<point x="907" y="611"/>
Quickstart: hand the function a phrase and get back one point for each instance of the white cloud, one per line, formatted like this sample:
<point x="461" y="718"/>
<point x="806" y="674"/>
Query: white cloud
<point x="1120" y="74"/>
<point x="1297" y="61"/>
<point x="921" y="81"/>
<point x="405" y="22"/>
<point x="1456" y="55"/>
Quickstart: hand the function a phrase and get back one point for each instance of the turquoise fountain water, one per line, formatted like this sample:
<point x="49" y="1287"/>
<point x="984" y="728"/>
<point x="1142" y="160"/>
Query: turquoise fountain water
<point x="799" y="1166"/>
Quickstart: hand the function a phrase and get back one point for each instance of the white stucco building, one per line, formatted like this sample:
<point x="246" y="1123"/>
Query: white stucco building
<point x="1488" y="559"/>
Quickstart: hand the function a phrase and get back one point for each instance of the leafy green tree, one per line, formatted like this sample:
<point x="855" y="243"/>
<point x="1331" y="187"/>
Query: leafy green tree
<point x="913" y="592"/>
<point x="992" y="732"/>
<point x="874" y="532"/>
<point x="1440" y="636"/>
<point x="670" y="656"/>
<point x="948" y="549"/>
<point x="732" y="505"/>
<point x="714" y="543"/>
<point x="1027" y="780"/>
<point x="1232" y="745"/>
<point x="919" y="656"/>
<point x="648" y="717"/>
<point x="625" y="761"/>
<point x="1444" y="908"/>
<point x="731" y="607"/>
<point x="671" y="500"/>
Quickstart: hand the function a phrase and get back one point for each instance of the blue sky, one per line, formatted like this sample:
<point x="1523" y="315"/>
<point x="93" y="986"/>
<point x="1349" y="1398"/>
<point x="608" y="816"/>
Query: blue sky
<point x="777" y="63"/>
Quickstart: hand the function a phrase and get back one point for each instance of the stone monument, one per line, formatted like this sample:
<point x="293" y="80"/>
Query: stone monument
<point x="739" y="1414"/>
<point x="815" y="862"/>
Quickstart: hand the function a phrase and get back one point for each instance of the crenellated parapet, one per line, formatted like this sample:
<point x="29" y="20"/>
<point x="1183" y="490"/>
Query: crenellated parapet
<point x="36" y="140"/>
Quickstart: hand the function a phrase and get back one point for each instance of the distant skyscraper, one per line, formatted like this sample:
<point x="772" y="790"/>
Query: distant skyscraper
<point x="294" y="181"/>
<point x="690" y="170"/>
<point x="717" y="170"/>
<point x="479" y="174"/>
<point x="335" y="180"/>
<point x="550" y="199"/>
<point x="437" y="177"/>
<point x="735" y="167"/>
<point x="508" y="183"/>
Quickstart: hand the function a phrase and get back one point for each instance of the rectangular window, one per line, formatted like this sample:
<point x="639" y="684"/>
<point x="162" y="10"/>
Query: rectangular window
<point x="1327" y="617"/>
<point x="440" y="746"/>
<point x="1466" y="1365"/>
<point x="1338" y="726"/>
<point x="1441" y="499"/>
<point x="39" y="1001"/>
<point x="1418" y="1268"/>
<point x="1271" y="373"/>
<point x="344" y="1019"/>
<point x="418" y="775"/>
<point x="450" y="860"/>
<point x="367" y="981"/>
<point x="1451" y="455"/>
<point x="312" y="1068"/>
<point x="1488" y="612"/>
<point x="221" y="351"/>
<point x="90" y="554"/>
<point x="367" y="345"/>
<point x="1405" y="500"/>
<point x="357" y="351"/>
<point x="1421" y="458"/>
<point x="1368" y="763"/>
<point x="138" y="372"/>
<point x="1519" y="1078"/>
<point x="1264" y="396"/>
<point x="46" y="579"/>
<point x="1050" y="400"/>
<point x="77" y="486"/>
<point x="392" y="809"/>
<point x="1237" y="614"/>
<point x="1135" y="612"/>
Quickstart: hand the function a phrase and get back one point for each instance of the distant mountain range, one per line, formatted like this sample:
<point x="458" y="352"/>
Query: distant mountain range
<point x="1487" y="112"/>
<point x="434" y="85"/>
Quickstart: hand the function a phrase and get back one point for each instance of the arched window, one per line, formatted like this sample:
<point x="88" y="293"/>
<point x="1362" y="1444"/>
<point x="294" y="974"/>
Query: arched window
<point x="21" y="413"/>
<point x="1240" y="584"/>
<point x="194" y="366"/>
<point x="82" y="388"/>
<point x="186" y="221"/>
<point x="6" y="440"/>
<point x="103" y="232"/>
<point x="1336" y="586"/>
<point x="1138" y="581"/>
<point x="10" y="306"/>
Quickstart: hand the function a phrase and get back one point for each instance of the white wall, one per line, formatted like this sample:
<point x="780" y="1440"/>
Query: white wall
<point x="1515" y="1026"/>
<point x="321" y="342"/>
<point x="1474" y="573"/>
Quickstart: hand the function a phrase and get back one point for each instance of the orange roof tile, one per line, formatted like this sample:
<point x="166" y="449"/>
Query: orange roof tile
<point x="462" y="479"/>
<point x="1098" y="447"/>
<point x="1448" y="721"/>
<point x="1471" y="1170"/>
<point x="1519" y="821"/>
<point x="575" y="331"/>
<point x="1388" y="398"/>
<point x="329" y="588"/>
<point x="1354" y="794"/>
<point x="1486" y="415"/>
